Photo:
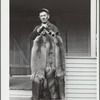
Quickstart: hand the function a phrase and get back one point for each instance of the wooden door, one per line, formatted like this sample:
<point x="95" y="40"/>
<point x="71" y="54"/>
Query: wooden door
<point x="20" y="46"/>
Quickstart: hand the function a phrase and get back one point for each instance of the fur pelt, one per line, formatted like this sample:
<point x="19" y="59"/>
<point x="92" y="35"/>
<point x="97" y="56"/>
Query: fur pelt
<point x="48" y="62"/>
<point x="38" y="58"/>
<point x="47" y="52"/>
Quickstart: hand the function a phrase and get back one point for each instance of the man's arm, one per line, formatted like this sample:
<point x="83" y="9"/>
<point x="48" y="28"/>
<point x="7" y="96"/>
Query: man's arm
<point x="55" y="29"/>
<point x="34" y="33"/>
<point x="37" y="31"/>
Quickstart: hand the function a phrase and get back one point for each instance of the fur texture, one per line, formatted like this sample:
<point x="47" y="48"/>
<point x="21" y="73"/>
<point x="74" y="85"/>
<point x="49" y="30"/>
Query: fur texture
<point x="48" y="63"/>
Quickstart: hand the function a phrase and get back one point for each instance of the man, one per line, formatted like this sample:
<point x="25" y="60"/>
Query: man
<point x="47" y="60"/>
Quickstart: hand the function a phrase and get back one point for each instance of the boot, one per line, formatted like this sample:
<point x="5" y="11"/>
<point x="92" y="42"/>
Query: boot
<point x="36" y="90"/>
<point x="61" y="85"/>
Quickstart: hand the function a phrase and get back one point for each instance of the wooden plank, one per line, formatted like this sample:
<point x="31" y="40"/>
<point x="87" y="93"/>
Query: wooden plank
<point x="67" y="65"/>
<point x="81" y="69"/>
<point x="81" y="57"/>
<point x="81" y="65"/>
<point x="81" y="98"/>
<point x="81" y="95"/>
<point x="81" y="86"/>
<point x="75" y="82"/>
<point x="81" y="61"/>
<point x="20" y="71"/>
<point x="20" y="92"/>
<point x="19" y="66"/>
<point x="20" y="98"/>
<point x="80" y="78"/>
<point x="81" y="73"/>
<point x="20" y="76"/>
<point x="93" y="19"/>
<point x="75" y="91"/>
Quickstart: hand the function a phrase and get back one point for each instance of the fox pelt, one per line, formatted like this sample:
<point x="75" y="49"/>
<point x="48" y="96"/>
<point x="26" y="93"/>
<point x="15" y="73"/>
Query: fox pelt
<point x="47" y="54"/>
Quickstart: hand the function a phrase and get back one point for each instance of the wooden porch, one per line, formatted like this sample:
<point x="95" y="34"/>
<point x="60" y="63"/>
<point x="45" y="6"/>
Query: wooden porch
<point x="80" y="81"/>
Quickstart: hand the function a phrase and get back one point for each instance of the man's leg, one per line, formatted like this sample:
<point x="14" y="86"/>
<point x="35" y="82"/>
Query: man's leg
<point x="37" y="89"/>
<point x="50" y="75"/>
<point x="60" y="65"/>
<point x="61" y="86"/>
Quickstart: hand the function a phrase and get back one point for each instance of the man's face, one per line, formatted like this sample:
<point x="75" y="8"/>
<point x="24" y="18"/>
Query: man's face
<point x="44" y="17"/>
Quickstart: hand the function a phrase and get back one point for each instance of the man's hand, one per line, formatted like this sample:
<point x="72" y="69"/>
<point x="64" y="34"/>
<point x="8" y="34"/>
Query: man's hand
<point x="38" y="29"/>
<point x="42" y="26"/>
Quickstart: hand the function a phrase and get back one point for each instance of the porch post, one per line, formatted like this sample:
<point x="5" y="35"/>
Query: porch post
<point x="93" y="28"/>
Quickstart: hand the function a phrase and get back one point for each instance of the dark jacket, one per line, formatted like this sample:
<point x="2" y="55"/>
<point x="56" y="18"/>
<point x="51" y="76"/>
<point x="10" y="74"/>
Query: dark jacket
<point x="34" y="33"/>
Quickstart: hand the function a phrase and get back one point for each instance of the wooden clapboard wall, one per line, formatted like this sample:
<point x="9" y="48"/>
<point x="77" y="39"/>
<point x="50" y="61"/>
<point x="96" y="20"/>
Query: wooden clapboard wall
<point x="80" y="79"/>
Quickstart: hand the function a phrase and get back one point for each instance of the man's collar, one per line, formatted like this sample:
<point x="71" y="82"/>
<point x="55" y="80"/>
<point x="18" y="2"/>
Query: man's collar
<point x="48" y="23"/>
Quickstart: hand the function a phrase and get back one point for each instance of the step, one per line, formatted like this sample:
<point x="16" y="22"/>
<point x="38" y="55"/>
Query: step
<point x="19" y="98"/>
<point x="20" y="95"/>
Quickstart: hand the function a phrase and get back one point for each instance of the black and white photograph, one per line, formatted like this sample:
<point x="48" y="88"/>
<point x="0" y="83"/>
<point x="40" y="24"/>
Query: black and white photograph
<point x="53" y="50"/>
